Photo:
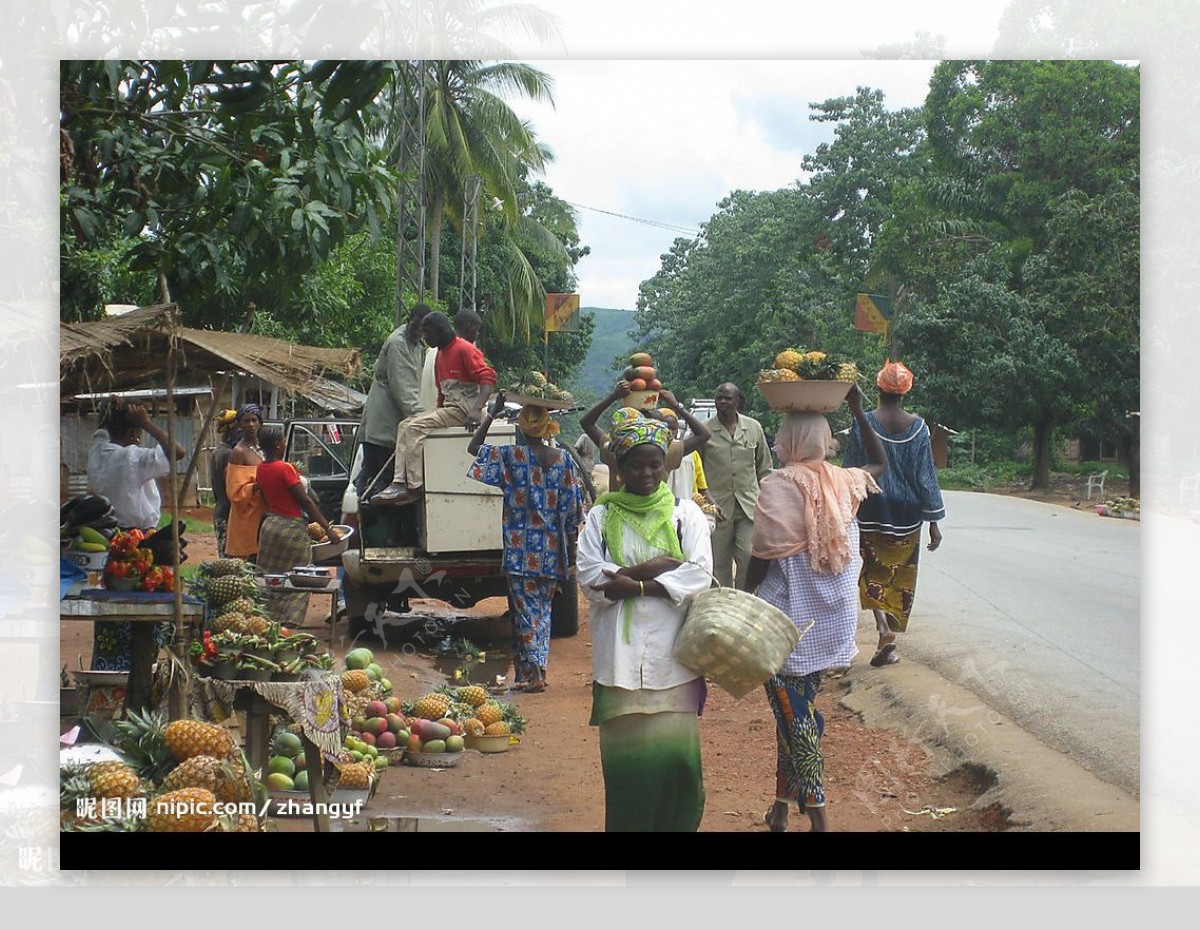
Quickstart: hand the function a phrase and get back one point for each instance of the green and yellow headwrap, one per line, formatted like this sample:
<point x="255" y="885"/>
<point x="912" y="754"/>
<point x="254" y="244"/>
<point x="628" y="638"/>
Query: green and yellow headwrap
<point x="631" y="428"/>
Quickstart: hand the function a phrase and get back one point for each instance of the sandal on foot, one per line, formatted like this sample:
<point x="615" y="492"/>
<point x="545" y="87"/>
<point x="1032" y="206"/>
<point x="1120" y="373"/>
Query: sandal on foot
<point x="885" y="656"/>
<point x="772" y="823"/>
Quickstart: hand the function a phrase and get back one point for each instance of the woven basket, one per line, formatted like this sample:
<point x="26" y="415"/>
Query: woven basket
<point x="736" y="639"/>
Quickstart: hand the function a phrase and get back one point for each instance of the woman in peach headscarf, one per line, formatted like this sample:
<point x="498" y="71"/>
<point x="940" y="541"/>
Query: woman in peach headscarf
<point x="804" y="559"/>
<point x="890" y="523"/>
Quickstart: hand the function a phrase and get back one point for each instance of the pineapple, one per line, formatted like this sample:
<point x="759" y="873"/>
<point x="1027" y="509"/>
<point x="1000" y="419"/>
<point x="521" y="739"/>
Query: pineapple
<point x="771" y="375"/>
<point x="355" y="775"/>
<point x="246" y="823"/>
<point x="847" y="371"/>
<point x="355" y="680"/>
<point x="489" y="713"/>
<point x="221" y="567"/>
<point x="188" y="810"/>
<point x="473" y="695"/>
<point x="188" y="738"/>
<point x="141" y="738"/>
<point x="243" y="605"/>
<point x="229" y="622"/>
<point x="432" y="706"/>
<point x="112" y="780"/>
<point x="225" y="779"/>
<point x="474" y="727"/>
<point x="788" y="359"/>
<point x="499" y="728"/>
<point x="228" y="588"/>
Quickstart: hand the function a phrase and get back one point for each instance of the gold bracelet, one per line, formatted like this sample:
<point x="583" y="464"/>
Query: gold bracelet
<point x="643" y="584"/>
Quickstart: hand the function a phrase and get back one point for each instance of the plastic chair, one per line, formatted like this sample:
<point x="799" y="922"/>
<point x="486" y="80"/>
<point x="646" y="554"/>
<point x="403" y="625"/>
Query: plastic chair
<point x="1095" y="482"/>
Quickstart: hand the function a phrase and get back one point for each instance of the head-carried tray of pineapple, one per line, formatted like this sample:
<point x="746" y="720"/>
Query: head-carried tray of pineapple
<point x="526" y="401"/>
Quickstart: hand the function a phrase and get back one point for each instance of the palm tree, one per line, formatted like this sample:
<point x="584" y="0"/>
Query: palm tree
<point x="470" y="130"/>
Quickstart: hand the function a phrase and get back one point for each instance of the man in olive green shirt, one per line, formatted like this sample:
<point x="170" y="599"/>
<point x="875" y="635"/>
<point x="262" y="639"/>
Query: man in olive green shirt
<point x="736" y="459"/>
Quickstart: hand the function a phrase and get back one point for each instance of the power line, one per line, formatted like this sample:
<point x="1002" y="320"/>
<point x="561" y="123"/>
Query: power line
<point x="637" y="219"/>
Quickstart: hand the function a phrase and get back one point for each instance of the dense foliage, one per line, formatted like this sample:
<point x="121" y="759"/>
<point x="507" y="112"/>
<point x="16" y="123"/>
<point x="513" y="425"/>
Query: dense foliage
<point x="1001" y="218"/>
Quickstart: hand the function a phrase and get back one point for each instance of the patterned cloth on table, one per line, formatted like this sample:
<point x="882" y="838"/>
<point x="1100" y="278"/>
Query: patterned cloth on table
<point x="311" y="702"/>
<point x="800" y="766"/>
<point x="111" y="640"/>
<point x="889" y="575"/>
<point x="830" y="600"/>
<point x="284" y="543"/>
<point x="543" y="508"/>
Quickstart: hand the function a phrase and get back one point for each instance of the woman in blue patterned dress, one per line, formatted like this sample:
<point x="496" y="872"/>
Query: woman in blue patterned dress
<point x="805" y="560"/>
<point x="543" y="508"/>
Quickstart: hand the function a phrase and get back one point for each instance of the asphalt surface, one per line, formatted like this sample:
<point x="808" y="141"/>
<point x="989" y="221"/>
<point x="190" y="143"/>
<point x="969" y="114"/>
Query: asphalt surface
<point x="1032" y="612"/>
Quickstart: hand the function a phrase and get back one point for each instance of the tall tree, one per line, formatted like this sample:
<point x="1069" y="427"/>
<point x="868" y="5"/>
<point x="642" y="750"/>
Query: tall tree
<point x="1022" y="149"/>
<point x="233" y="178"/>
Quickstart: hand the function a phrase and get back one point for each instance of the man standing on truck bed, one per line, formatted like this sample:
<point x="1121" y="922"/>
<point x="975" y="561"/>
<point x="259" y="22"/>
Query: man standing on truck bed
<point x="465" y="381"/>
<point x="394" y="396"/>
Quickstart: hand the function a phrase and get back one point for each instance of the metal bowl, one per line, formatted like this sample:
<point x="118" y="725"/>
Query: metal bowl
<point x="431" y="760"/>
<point x="308" y="579"/>
<point x="333" y="548"/>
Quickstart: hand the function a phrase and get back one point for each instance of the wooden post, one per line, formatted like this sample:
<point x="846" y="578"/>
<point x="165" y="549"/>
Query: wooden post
<point x="179" y="697"/>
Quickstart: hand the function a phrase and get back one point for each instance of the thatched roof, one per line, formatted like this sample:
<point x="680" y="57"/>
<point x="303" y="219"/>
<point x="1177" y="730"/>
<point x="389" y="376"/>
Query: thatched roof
<point x="129" y="351"/>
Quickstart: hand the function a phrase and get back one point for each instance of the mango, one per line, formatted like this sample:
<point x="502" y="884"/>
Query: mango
<point x="455" y="744"/>
<point x="434" y="745"/>
<point x="435" y="731"/>
<point x="300" y="782"/>
<point x="280" y="782"/>
<point x="281" y="765"/>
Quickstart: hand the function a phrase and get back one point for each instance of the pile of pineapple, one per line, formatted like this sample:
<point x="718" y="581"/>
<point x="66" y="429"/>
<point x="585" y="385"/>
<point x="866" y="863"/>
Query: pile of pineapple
<point x="796" y="365"/>
<point x="472" y="708"/>
<point x="179" y="771"/>
<point x="233" y="597"/>
<point x="534" y="384"/>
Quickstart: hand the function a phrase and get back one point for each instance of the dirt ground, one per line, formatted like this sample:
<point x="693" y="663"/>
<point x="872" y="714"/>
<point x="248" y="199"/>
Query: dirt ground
<point x="552" y="780"/>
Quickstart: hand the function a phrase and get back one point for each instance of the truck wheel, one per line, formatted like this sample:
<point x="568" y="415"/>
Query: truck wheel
<point x="564" y="609"/>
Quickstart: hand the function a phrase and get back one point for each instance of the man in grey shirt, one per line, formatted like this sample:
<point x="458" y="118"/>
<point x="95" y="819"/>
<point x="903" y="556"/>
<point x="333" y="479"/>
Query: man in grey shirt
<point x="394" y="396"/>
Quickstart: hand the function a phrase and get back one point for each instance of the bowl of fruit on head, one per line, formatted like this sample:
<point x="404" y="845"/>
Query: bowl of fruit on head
<point x="813" y="381"/>
<point x="643" y="379"/>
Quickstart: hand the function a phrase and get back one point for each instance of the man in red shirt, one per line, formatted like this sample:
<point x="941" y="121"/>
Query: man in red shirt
<point x="464" y="383"/>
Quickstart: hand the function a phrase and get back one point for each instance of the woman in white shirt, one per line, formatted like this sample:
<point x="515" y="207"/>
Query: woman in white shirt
<point x="124" y="471"/>
<point x="642" y="556"/>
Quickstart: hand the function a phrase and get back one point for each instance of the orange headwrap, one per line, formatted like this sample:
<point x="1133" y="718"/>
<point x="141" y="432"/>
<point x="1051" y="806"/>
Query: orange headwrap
<point x="894" y="378"/>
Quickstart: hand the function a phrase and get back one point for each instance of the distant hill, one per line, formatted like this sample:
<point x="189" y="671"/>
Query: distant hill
<point x="611" y="338"/>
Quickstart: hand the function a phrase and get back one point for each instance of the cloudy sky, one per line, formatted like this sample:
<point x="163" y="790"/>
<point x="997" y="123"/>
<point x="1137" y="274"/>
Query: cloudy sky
<point x="665" y="141"/>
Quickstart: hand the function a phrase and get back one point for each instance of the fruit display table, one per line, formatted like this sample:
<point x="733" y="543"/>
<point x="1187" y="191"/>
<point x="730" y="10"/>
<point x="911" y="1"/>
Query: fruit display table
<point x="143" y="609"/>
<point x="312" y="703"/>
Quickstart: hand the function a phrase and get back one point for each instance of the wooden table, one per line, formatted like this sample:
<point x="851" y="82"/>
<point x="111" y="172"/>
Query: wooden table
<point x="247" y="697"/>
<point x="143" y="611"/>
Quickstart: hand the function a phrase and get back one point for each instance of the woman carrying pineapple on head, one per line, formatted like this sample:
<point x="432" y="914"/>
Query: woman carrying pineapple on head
<point x="891" y="521"/>
<point x="543" y="508"/>
<point x="283" y="540"/>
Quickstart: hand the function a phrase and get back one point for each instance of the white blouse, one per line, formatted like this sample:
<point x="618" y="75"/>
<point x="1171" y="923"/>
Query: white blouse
<point x="647" y="660"/>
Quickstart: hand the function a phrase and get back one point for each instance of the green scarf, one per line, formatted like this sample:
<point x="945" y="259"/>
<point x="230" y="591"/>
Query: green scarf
<point x="651" y="516"/>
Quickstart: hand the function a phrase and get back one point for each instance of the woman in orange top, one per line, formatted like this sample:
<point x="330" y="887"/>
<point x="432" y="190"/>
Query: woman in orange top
<point x="246" y="507"/>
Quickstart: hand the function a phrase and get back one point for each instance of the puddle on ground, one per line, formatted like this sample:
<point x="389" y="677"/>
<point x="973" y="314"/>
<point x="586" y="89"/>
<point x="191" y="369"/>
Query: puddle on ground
<point x="398" y="823"/>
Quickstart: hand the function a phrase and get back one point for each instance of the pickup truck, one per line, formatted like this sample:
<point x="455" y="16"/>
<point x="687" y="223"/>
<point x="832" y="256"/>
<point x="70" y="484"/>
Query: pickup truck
<point x="447" y="546"/>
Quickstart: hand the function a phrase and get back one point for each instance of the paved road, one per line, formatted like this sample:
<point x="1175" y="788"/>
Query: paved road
<point x="1035" y="609"/>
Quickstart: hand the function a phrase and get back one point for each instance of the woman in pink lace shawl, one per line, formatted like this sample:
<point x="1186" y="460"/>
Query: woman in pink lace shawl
<point x="805" y="561"/>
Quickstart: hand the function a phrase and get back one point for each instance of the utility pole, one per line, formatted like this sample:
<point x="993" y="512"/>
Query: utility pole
<point x="410" y="189"/>
<point x="469" y="267"/>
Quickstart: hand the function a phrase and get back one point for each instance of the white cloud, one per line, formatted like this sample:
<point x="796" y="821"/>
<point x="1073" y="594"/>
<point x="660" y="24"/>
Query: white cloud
<point x="666" y="140"/>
